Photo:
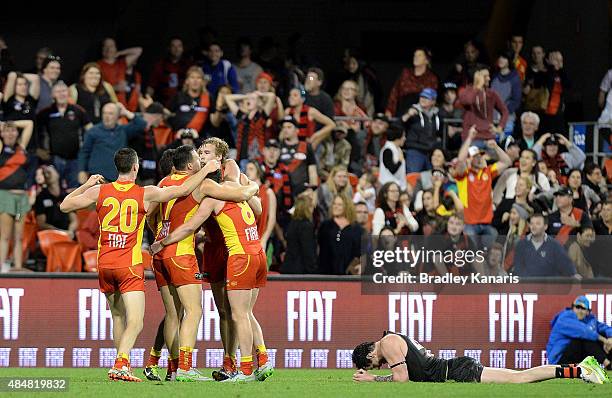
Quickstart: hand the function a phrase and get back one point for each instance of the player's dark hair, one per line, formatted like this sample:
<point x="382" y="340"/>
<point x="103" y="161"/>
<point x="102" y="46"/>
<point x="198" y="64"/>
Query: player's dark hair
<point x="182" y="156"/>
<point x="166" y="163"/>
<point x="125" y="158"/>
<point x="360" y="355"/>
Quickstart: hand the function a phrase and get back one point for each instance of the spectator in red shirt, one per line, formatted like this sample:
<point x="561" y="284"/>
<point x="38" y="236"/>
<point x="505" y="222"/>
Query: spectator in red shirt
<point x="191" y="105"/>
<point x="405" y="92"/>
<point x="480" y="102"/>
<point x="115" y="64"/>
<point x="169" y="73"/>
<point x="474" y="183"/>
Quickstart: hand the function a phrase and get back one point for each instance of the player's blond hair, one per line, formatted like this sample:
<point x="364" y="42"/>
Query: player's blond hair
<point x="221" y="147"/>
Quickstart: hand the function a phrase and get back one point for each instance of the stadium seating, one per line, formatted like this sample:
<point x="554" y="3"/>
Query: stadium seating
<point x="91" y="261"/>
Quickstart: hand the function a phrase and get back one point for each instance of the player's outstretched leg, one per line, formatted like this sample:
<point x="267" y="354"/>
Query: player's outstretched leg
<point x="264" y="369"/>
<point x="151" y="371"/>
<point x="588" y="370"/>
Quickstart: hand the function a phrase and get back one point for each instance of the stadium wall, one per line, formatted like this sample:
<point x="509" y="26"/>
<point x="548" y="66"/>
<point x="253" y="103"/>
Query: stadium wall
<point x="308" y="322"/>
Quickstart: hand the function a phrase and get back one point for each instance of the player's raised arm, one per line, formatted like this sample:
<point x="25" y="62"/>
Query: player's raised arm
<point x="156" y="194"/>
<point x="204" y="211"/>
<point x="84" y="196"/>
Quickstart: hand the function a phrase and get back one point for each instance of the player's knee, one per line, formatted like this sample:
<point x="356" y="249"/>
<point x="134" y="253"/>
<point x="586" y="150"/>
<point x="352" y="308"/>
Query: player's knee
<point x="135" y="324"/>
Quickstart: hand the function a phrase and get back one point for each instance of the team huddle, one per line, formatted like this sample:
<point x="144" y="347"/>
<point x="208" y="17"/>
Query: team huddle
<point x="200" y="188"/>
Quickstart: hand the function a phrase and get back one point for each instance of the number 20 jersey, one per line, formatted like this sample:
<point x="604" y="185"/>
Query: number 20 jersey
<point x="121" y="214"/>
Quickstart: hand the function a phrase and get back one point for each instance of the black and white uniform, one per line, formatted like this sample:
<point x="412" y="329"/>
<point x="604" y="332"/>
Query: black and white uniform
<point x="424" y="367"/>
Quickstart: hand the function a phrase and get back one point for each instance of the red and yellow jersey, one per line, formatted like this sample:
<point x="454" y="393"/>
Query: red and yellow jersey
<point x="239" y="228"/>
<point x="121" y="214"/>
<point x="475" y="192"/>
<point x="174" y="214"/>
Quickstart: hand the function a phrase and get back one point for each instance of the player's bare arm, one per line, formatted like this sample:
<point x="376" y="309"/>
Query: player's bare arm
<point x="393" y="349"/>
<point x="254" y="202"/>
<point x="228" y="192"/>
<point x="206" y="208"/>
<point x="156" y="194"/>
<point x="84" y="196"/>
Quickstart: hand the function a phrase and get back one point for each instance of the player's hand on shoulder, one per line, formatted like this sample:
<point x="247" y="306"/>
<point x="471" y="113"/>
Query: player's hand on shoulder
<point x="94" y="179"/>
<point x="363" y="376"/>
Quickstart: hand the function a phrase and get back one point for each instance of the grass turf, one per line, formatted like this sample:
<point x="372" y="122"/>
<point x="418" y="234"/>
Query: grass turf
<point x="297" y="383"/>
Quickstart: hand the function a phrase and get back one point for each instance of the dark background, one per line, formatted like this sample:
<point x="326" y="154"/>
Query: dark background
<point x="386" y="31"/>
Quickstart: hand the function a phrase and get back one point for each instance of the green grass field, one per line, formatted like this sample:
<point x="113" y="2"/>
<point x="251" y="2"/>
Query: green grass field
<point x="297" y="383"/>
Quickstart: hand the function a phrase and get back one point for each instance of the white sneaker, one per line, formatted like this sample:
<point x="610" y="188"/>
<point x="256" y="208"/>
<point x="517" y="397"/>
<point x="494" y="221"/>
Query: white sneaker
<point x="240" y="377"/>
<point x="592" y="372"/>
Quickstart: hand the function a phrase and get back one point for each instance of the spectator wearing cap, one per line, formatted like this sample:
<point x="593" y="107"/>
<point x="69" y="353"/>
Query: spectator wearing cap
<point x="184" y="137"/>
<point x="251" y="123"/>
<point x="169" y="73"/>
<point x="104" y="139"/>
<point x="505" y="187"/>
<point x="576" y="333"/>
<point x="411" y="82"/>
<point x="61" y="127"/>
<point x="335" y="150"/>
<point x="297" y="158"/>
<point x="480" y="103"/>
<point x="219" y="71"/>
<point x="392" y="165"/>
<point x="474" y="182"/>
<point x="191" y="106"/>
<point x="540" y="255"/>
<point x="530" y="122"/>
<point x="316" y="97"/>
<point x="512" y="150"/>
<point x="423" y="129"/>
<point x="566" y="220"/>
<point x="114" y="66"/>
<point x="547" y="149"/>
<point x="375" y="140"/>
<point x="449" y="110"/>
<point x="246" y="70"/>
<point x="507" y="84"/>
<point x="50" y="73"/>
<point x="307" y="119"/>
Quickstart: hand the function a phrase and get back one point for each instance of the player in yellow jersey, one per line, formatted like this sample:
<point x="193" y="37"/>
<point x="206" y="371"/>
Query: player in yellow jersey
<point x="246" y="273"/>
<point x="121" y="208"/>
<point x="178" y="263"/>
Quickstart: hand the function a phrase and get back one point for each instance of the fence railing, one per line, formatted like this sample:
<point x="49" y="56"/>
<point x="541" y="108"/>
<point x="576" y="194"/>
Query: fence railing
<point x="586" y="135"/>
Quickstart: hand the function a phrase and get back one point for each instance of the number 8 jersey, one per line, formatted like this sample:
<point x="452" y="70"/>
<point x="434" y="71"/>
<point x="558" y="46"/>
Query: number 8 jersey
<point x="121" y="214"/>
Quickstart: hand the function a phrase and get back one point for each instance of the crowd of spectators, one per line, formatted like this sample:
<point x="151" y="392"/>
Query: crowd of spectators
<point x="479" y="157"/>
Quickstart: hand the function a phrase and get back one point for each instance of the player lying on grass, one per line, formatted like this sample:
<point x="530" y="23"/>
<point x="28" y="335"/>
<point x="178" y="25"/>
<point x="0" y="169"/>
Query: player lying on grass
<point x="409" y="361"/>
